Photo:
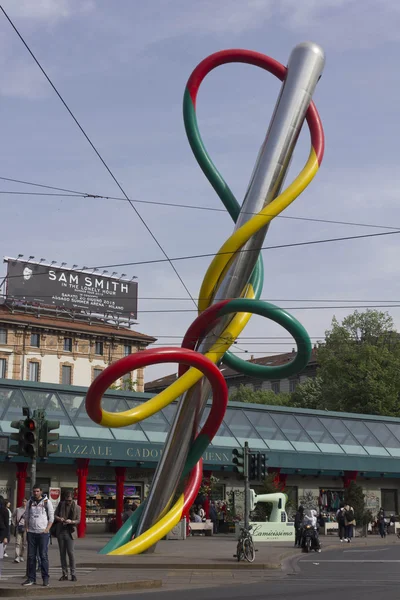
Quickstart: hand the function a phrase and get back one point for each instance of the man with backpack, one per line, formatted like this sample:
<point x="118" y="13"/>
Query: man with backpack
<point x="38" y="517"/>
<point x="349" y="522"/>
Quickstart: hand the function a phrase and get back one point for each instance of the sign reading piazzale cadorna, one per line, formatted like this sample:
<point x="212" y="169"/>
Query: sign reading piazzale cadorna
<point x="46" y="285"/>
<point x="126" y="451"/>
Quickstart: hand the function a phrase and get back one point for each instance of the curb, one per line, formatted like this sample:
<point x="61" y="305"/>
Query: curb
<point x="14" y="592"/>
<point x="185" y="567"/>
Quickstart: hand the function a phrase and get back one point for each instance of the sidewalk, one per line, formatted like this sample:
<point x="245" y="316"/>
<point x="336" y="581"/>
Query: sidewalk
<point x="175" y="564"/>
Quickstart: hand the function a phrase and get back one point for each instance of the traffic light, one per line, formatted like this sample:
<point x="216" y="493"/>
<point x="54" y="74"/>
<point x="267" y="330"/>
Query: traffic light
<point x="17" y="437"/>
<point x="47" y="439"/>
<point x="29" y="438"/>
<point x="253" y="466"/>
<point x="239" y="461"/>
<point x="263" y="466"/>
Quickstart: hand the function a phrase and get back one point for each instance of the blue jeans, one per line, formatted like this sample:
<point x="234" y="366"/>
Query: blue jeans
<point x="348" y="531"/>
<point x="38" y="544"/>
<point x="39" y="565"/>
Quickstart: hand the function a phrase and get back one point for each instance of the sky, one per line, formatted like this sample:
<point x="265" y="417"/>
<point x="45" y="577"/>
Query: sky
<point x="122" y="68"/>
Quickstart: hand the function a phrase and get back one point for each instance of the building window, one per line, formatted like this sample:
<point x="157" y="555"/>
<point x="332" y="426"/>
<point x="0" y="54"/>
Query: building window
<point x="276" y="386"/>
<point x="3" y="368"/>
<point x="99" y="348"/>
<point x="66" y="375"/>
<point x="68" y="344"/>
<point x="35" y="340"/>
<point x="389" y="501"/>
<point x="127" y="349"/>
<point x="3" y="335"/>
<point x="96" y="372"/>
<point x="33" y="372"/>
<point x="293" y="385"/>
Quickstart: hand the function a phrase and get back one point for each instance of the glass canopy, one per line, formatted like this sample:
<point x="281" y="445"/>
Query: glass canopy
<point x="265" y="428"/>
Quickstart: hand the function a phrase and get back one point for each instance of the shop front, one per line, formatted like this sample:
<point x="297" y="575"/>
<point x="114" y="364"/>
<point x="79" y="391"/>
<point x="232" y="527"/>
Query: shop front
<point x="101" y="504"/>
<point x="313" y="455"/>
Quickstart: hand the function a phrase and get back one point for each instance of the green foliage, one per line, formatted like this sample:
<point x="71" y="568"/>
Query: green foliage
<point x="308" y="394"/>
<point x="355" y="497"/>
<point x="359" y="365"/>
<point x="359" y="370"/>
<point x="247" y="395"/>
<point x="125" y="386"/>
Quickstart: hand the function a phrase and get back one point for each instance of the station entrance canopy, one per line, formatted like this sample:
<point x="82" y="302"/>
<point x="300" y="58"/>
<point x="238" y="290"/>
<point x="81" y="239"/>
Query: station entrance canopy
<point x="294" y="440"/>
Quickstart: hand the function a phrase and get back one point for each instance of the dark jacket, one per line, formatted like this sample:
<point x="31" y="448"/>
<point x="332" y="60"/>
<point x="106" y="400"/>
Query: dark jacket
<point x="4" y="523"/>
<point x="72" y="512"/>
<point x="298" y="519"/>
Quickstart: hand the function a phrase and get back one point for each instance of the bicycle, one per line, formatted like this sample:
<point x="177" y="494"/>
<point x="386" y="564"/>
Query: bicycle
<point x="245" y="546"/>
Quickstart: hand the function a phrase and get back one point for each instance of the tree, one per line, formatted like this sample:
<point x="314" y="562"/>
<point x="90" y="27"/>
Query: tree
<point x="308" y="394"/>
<point x="354" y="496"/>
<point x="247" y="395"/>
<point x="359" y="365"/>
<point x="126" y="386"/>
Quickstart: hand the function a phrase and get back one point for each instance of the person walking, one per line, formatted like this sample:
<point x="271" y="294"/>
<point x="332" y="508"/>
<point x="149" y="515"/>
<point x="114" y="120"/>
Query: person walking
<point x="298" y="521"/>
<point x="340" y="518"/>
<point x="39" y="517"/>
<point x="382" y="523"/>
<point x="128" y="512"/>
<point x="67" y="516"/>
<point x="7" y="505"/>
<point x="20" y="531"/>
<point x="349" y="522"/>
<point x="214" y="518"/>
<point x="3" y="530"/>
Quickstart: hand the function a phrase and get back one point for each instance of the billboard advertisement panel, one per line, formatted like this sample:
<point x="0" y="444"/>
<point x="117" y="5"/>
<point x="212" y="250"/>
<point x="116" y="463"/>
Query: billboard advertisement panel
<point x="47" y="285"/>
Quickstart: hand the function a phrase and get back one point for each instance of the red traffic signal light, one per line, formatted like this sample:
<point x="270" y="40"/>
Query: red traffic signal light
<point x="29" y="438"/>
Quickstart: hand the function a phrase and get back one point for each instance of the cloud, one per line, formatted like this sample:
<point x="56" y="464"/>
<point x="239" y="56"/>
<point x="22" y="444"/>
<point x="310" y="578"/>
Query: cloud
<point x="46" y="11"/>
<point x="341" y="24"/>
<point x="21" y="78"/>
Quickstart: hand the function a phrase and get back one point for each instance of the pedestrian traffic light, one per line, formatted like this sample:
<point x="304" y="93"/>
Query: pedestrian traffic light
<point x="47" y="439"/>
<point x="17" y="437"/>
<point x="239" y="461"/>
<point x="29" y="438"/>
<point x="253" y="466"/>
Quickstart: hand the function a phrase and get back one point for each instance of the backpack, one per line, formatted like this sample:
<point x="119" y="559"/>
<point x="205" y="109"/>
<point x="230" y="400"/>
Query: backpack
<point x="349" y="515"/>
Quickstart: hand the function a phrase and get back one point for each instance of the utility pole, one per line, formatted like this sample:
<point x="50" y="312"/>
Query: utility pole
<point x="33" y="473"/>
<point x="246" y="486"/>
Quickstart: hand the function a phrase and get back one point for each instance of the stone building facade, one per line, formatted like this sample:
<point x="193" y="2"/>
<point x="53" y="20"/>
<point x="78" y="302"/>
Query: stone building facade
<point x="63" y="351"/>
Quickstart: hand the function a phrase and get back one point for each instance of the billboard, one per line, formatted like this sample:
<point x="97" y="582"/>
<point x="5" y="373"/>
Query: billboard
<point x="48" y="285"/>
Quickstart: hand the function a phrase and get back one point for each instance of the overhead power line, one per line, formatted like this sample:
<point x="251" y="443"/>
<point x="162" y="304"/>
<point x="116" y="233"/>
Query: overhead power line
<point x="185" y="299"/>
<point x="74" y="194"/>
<point x="212" y="254"/>
<point x="99" y="156"/>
